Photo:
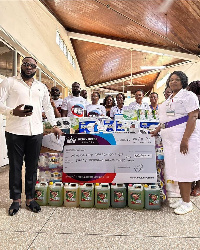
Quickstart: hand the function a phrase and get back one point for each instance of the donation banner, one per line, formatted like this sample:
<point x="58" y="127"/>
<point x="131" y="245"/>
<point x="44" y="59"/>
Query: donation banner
<point x="109" y="157"/>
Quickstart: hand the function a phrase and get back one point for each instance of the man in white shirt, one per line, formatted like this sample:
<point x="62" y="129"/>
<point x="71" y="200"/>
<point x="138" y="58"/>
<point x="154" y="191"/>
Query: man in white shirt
<point x="24" y="130"/>
<point x="74" y="105"/>
<point x="83" y="93"/>
<point x="55" y="94"/>
<point x="138" y="104"/>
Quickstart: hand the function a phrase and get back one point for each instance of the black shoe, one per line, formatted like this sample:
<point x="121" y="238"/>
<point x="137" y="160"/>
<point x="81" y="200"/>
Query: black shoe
<point x="14" y="208"/>
<point x="34" y="206"/>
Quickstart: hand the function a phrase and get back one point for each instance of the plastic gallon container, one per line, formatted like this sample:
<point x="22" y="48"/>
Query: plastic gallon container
<point x="102" y="195"/>
<point x="55" y="194"/>
<point x="41" y="193"/>
<point x="86" y="195"/>
<point x="118" y="195"/>
<point x="152" y="197"/>
<point x="136" y="196"/>
<point x="71" y="198"/>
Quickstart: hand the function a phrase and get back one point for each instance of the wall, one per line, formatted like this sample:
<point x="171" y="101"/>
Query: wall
<point x="34" y="27"/>
<point x="191" y="70"/>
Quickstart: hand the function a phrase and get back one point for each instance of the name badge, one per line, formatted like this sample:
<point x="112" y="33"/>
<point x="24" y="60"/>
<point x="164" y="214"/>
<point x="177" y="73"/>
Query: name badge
<point x="170" y="112"/>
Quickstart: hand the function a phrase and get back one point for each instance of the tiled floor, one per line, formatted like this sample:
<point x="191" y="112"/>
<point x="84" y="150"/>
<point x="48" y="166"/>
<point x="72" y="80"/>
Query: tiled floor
<point x="80" y="228"/>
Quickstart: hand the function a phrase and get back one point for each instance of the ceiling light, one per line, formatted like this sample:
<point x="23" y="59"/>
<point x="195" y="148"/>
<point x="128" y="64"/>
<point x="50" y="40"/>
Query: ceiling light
<point x="137" y="85"/>
<point x="153" y="52"/>
<point x="153" y="67"/>
<point x="111" y="93"/>
<point x="163" y="81"/>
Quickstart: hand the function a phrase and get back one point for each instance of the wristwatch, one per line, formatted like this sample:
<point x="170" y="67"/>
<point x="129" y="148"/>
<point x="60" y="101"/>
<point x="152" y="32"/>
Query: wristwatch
<point x="11" y="112"/>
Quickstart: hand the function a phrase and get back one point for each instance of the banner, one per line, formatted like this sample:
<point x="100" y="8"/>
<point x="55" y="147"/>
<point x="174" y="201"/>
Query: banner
<point x="109" y="157"/>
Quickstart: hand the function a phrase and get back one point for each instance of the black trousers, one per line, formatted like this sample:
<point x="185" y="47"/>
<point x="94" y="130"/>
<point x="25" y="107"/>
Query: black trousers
<point x="27" y="148"/>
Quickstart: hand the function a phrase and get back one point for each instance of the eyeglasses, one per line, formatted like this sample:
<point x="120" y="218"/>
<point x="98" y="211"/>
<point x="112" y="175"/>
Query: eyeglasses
<point x="32" y="65"/>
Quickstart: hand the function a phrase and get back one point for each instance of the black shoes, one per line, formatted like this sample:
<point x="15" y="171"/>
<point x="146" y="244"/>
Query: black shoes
<point x="34" y="206"/>
<point x="14" y="208"/>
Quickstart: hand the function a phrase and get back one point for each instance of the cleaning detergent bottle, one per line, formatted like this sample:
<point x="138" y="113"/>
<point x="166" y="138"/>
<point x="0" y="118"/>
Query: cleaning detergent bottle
<point x="152" y="197"/>
<point x="102" y="195"/>
<point x="86" y="195"/>
<point x="71" y="198"/>
<point x="55" y="194"/>
<point x="136" y="196"/>
<point x="41" y="193"/>
<point x="118" y="195"/>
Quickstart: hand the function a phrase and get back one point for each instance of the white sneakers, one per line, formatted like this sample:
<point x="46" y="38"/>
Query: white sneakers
<point x="181" y="207"/>
<point x="176" y="203"/>
<point x="184" y="208"/>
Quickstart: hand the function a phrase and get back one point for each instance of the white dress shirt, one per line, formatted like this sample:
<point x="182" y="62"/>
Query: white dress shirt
<point x="135" y="105"/>
<point x="13" y="92"/>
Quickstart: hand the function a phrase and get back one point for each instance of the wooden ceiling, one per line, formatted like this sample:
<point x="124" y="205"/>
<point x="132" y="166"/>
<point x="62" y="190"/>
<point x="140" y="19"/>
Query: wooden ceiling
<point x="113" y="38"/>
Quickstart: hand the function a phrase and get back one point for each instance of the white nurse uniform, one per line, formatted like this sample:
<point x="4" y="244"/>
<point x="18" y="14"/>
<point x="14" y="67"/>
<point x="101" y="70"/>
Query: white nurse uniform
<point x="180" y="167"/>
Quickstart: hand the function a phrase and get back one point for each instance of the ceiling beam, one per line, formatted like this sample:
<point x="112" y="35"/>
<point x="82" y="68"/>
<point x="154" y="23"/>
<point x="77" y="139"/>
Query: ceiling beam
<point x="132" y="46"/>
<point x="125" y="79"/>
<point x="128" y="78"/>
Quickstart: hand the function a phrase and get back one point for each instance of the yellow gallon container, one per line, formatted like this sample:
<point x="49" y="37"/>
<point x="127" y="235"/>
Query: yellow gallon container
<point x="136" y="196"/>
<point x="55" y="194"/>
<point x="102" y="195"/>
<point x="118" y="195"/>
<point x="152" y="197"/>
<point x="86" y="195"/>
<point x="71" y="197"/>
<point x="41" y="193"/>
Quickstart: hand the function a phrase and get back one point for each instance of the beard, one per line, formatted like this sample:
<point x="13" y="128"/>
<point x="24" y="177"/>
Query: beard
<point x="55" y="96"/>
<point x="76" y="92"/>
<point x="27" y="76"/>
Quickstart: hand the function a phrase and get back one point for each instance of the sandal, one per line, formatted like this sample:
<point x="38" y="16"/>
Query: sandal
<point x="14" y="208"/>
<point x="34" y="206"/>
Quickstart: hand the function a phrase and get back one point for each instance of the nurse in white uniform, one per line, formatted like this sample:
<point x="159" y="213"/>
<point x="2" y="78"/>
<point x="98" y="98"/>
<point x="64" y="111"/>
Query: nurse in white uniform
<point x="181" y="138"/>
<point x="119" y="108"/>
